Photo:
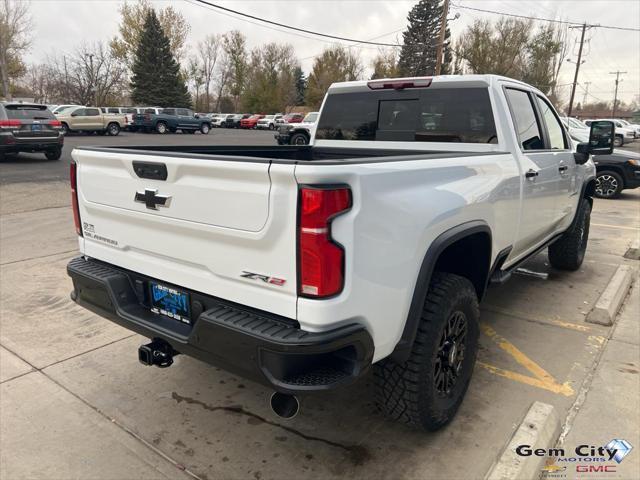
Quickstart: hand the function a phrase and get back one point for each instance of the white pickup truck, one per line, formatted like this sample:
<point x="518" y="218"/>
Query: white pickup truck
<point x="303" y="266"/>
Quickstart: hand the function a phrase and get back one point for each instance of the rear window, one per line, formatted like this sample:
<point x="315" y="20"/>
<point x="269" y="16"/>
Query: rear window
<point x="416" y="115"/>
<point x="28" y="112"/>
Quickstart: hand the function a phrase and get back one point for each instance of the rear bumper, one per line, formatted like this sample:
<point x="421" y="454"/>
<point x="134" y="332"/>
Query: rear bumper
<point x="11" y="144"/>
<point x="254" y="344"/>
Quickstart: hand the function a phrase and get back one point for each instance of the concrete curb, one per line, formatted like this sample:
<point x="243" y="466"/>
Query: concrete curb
<point x="633" y="252"/>
<point x="606" y="308"/>
<point x="540" y="428"/>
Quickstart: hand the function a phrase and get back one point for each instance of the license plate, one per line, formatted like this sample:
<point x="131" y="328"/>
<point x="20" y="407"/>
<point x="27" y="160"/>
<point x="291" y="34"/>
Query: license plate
<point x="170" y="302"/>
<point x="36" y="127"/>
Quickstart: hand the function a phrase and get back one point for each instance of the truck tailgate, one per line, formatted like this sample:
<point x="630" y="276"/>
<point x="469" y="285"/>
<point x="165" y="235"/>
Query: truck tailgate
<point x="220" y="218"/>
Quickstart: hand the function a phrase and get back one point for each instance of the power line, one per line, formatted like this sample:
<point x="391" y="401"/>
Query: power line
<point x="541" y="19"/>
<point x="290" y="27"/>
<point x="615" y="97"/>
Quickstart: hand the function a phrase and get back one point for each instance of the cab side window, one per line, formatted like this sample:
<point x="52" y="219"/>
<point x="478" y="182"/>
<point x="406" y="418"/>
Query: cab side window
<point x="92" y="112"/>
<point x="525" y="120"/>
<point x="556" y="134"/>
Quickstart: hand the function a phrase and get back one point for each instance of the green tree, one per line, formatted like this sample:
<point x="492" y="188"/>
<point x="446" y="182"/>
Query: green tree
<point x="156" y="78"/>
<point x="301" y="85"/>
<point x="133" y="17"/>
<point x="15" y="39"/>
<point x="234" y="46"/>
<point x="514" y="48"/>
<point x="420" y="41"/>
<point x="385" y="64"/>
<point x="335" y="64"/>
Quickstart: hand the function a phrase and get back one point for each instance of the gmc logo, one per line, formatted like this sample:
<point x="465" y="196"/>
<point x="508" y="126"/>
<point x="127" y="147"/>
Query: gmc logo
<point x="595" y="468"/>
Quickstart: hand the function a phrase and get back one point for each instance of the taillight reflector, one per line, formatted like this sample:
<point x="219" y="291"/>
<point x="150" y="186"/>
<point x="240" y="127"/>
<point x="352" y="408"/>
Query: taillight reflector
<point x="321" y="260"/>
<point x="73" y="177"/>
<point x="399" y="84"/>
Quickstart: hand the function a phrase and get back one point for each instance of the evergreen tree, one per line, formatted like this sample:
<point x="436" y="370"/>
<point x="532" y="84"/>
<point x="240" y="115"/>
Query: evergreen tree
<point x="420" y="41"/>
<point x="301" y="85"/>
<point x="156" y="78"/>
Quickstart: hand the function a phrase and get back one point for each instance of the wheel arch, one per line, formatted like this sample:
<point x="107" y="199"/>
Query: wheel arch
<point x="464" y="250"/>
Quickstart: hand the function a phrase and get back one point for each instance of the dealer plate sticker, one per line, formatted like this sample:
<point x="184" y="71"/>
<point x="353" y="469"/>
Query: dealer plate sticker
<point x="170" y="302"/>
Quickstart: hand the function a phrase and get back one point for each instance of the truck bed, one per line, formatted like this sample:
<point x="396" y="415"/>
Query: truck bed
<point x="287" y="153"/>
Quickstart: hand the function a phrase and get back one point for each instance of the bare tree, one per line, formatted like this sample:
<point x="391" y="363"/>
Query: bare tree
<point x="209" y="51"/>
<point x="15" y="38"/>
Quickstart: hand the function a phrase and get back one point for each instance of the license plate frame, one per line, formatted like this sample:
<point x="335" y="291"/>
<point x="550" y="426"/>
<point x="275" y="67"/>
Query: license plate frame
<point x="170" y="302"/>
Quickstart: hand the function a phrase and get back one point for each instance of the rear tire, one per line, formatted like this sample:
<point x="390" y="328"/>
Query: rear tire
<point x="618" y="141"/>
<point x="567" y="253"/>
<point x="204" y="128"/>
<point x="609" y="184"/>
<point x="53" y="154"/>
<point x="65" y="129"/>
<point x="426" y="390"/>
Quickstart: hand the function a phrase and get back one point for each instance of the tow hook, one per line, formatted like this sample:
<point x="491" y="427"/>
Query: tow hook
<point x="158" y="353"/>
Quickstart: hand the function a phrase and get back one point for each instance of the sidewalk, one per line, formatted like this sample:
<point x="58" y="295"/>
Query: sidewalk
<point x="611" y="407"/>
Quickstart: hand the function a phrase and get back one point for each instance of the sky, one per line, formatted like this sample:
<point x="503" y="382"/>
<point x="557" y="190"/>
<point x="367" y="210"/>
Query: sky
<point x="61" y="25"/>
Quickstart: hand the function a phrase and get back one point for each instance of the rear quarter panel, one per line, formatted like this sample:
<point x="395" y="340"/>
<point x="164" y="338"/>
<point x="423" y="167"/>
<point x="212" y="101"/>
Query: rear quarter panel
<point x="399" y="208"/>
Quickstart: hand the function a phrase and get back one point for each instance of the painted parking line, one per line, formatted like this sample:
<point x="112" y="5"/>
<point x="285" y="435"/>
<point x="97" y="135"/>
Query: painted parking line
<point x="545" y="321"/>
<point x="540" y="377"/>
<point x="614" y="226"/>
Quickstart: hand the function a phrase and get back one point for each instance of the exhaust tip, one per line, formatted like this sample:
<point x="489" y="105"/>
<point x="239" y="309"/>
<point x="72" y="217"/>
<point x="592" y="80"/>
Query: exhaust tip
<point x="284" y="405"/>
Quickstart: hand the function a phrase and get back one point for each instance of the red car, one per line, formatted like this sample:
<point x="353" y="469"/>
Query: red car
<point x="293" y="118"/>
<point x="250" y="122"/>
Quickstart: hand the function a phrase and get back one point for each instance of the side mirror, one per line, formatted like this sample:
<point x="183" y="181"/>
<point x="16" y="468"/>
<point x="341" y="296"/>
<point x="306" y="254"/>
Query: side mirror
<point x="196" y="116"/>
<point x="600" y="142"/>
<point x="74" y="114"/>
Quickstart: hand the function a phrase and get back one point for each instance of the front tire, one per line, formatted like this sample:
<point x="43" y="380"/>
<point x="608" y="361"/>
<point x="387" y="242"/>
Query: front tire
<point x="299" y="139"/>
<point x="53" y="154"/>
<point x="161" y="128"/>
<point x="113" y="129"/>
<point x="426" y="390"/>
<point x="609" y="184"/>
<point x="204" y="128"/>
<point x="567" y="253"/>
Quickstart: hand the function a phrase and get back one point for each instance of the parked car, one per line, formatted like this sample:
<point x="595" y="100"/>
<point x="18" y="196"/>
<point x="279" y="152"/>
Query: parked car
<point x="250" y="122"/>
<point x="623" y="135"/>
<point x="233" y="121"/>
<point x="171" y="120"/>
<point x="632" y="126"/>
<point x="269" y="121"/>
<point x="297" y="133"/>
<point x="577" y="130"/>
<point x="29" y="127"/>
<point x="292" y="118"/>
<point x="617" y="171"/>
<point x="218" y="121"/>
<point x="91" y="119"/>
<point x="61" y="108"/>
<point x="371" y="247"/>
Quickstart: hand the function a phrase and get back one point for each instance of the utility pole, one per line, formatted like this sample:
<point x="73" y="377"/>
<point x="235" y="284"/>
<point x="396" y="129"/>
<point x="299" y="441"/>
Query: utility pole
<point x="575" y="78"/>
<point x="586" y="92"/>
<point x="443" y="29"/>
<point x="615" y="97"/>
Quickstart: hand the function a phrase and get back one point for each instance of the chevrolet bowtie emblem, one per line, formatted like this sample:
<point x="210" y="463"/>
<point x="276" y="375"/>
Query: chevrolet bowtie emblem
<point x="151" y="199"/>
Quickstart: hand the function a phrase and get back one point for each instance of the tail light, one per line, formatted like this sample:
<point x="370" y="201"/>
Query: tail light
<point x="320" y="258"/>
<point x="55" y="123"/>
<point x="399" y="84"/>
<point x="10" y="123"/>
<point x="73" y="177"/>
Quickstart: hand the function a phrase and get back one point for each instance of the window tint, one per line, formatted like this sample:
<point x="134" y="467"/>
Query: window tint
<point x="113" y="110"/>
<point x="556" y="134"/>
<point x="80" y="112"/>
<point x="184" y="112"/>
<point x="169" y="111"/>
<point x="525" y="120"/>
<point x="413" y="115"/>
<point x="92" y="112"/>
<point x="28" y="112"/>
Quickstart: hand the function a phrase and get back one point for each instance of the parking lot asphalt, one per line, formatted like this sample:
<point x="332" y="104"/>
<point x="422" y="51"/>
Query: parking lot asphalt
<point x="74" y="397"/>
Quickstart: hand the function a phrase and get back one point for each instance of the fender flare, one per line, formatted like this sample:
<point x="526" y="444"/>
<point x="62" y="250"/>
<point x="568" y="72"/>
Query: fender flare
<point x="442" y="241"/>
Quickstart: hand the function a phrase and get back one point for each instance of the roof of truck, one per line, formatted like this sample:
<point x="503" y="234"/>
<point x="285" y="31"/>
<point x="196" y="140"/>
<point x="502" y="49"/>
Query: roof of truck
<point x="436" y="81"/>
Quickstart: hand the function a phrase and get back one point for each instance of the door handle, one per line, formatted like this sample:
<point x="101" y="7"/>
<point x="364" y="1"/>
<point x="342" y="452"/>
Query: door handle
<point x="531" y="173"/>
<point x="563" y="168"/>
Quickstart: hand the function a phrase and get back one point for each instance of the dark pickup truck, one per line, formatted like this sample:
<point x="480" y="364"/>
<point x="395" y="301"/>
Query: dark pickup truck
<point x="171" y="120"/>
